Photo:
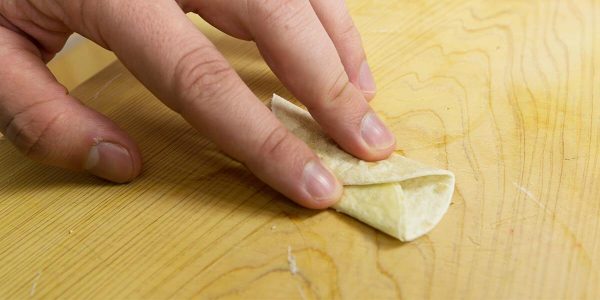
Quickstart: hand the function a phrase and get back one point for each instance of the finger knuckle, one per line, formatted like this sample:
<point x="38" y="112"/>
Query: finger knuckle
<point x="86" y="16"/>
<point x="347" y="30"/>
<point x="280" y="12"/>
<point x="278" y="143"/>
<point x="30" y="133"/>
<point x="338" y="92"/>
<point x="201" y="76"/>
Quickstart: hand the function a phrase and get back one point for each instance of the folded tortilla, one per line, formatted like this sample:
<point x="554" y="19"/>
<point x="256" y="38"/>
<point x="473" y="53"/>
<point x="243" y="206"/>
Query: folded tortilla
<point x="398" y="196"/>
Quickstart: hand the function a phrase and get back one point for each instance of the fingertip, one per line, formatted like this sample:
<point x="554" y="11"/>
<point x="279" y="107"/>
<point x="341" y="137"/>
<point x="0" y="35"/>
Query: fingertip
<point x="354" y="126"/>
<point x="366" y="81"/>
<point x="320" y="185"/>
<point x="378" y="155"/>
<point x="113" y="162"/>
<point x="379" y="139"/>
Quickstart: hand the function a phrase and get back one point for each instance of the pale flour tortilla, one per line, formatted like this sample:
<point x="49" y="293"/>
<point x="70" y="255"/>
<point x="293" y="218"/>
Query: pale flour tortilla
<point x="398" y="196"/>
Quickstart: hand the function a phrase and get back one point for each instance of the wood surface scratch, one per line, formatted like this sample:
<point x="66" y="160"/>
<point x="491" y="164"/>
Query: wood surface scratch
<point x="104" y="87"/>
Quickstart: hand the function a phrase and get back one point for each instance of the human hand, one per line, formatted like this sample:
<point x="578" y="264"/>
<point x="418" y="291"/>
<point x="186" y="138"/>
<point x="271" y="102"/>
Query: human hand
<point x="312" y="47"/>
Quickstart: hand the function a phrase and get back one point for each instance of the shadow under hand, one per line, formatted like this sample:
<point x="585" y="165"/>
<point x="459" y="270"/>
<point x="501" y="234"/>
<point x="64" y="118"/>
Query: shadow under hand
<point x="179" y="164"/>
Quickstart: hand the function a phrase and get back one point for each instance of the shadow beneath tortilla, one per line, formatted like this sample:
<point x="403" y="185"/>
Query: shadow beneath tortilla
<point x="383" y="240"/>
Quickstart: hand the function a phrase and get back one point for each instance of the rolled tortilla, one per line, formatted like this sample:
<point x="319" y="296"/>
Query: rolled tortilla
<point x="398" y="196"/>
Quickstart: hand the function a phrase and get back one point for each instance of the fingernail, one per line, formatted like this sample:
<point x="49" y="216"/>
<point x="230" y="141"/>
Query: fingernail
<point x="110" y="161"/>
<point x="365" y="79"/>
<point x="319" y="182"/>
<point x="375" y="133"/>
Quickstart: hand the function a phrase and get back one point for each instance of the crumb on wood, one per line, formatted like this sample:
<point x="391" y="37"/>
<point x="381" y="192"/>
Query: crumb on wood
<point x="35" y="282"/>
<point x="292" y="261"/>
<point x="273" y="227"/>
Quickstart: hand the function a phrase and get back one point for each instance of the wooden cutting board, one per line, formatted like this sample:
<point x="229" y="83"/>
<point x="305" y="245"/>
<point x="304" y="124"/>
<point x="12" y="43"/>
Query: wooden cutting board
<point x="504" y="93"/>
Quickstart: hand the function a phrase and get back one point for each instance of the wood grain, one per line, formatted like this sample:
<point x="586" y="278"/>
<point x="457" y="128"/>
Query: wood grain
<point x="503" y="93"/>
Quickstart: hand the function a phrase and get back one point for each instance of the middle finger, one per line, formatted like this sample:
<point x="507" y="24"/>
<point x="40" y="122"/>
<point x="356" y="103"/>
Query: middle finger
<point x="300" y="52"/>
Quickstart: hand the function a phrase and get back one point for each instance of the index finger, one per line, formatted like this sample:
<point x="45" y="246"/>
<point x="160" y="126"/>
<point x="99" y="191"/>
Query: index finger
<point x="298" y="49"/>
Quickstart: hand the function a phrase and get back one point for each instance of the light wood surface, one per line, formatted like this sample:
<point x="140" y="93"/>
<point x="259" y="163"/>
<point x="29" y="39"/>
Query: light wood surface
<point x="503" y="93"/>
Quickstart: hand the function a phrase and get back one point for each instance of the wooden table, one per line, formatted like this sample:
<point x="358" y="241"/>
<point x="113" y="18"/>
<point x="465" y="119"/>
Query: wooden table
<point x="504" y="93"/>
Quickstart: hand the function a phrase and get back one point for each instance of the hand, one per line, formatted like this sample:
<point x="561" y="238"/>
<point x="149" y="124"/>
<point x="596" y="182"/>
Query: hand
<point x="312" y="46"/>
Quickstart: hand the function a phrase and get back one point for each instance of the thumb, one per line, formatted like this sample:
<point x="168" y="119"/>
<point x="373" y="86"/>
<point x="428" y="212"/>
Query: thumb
<point x="47" y="125"/>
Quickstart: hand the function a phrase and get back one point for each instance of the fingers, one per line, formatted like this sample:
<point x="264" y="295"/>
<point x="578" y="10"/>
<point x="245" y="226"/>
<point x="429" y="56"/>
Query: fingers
<point x="230" y="16"/>
<point x="177" y="63"/>
<point x="301" y="53"/>
<point x="49" y="126"/>
<point x="334" y="16"/>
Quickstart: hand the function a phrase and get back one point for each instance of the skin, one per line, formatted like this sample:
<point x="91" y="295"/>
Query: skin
<point x="312" y="46"/>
